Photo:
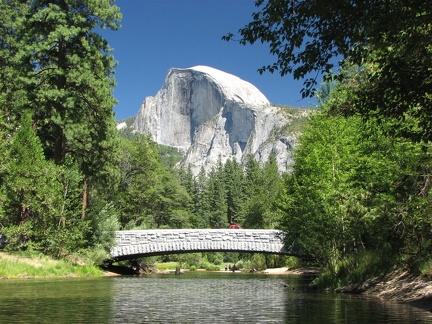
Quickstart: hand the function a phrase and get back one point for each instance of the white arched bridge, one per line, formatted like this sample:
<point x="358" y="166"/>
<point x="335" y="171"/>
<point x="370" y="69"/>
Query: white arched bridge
<point x="141" y="243"/>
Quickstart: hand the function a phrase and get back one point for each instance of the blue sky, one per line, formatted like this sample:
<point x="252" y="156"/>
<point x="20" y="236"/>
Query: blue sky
<point x="157" y="35"/>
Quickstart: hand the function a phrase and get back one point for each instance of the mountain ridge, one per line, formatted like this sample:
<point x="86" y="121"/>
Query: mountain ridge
<point x="210" y="115"/>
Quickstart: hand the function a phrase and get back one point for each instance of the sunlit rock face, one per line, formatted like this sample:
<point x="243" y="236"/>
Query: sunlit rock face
<point x="210" y="114"/>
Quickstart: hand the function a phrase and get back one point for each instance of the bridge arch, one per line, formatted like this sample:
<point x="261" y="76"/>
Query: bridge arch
<point x="134" y="244"/>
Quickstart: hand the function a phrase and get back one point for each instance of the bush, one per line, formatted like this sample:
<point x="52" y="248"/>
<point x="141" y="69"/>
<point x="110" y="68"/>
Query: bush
<point x="293" y="262"/>
<point x="257" y="261"/>
<point x="166" y="266"/>
<point x="425" y="268"/>
<point x="215" y="258"/>
<point x="96" y="256"/>
<point x="209" y="266"/>
<point x="355" y="268"/>
<point x="230" y="257"/>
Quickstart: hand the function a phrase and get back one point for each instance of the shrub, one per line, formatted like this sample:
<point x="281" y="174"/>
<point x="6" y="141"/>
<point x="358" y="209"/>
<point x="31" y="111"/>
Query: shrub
<point x="355" y="268"/>
<point x="293" y="262"/>
<point x="425" y="268"/>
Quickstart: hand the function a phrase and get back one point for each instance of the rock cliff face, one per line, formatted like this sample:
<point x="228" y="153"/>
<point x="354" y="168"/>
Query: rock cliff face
<point x="209" y="114"/>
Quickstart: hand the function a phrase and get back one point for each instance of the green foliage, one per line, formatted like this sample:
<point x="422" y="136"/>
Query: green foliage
<point x="258" y="262"/>
<point x="344" y="193"/>
<point x="425" y="268"/>
<point x="59" y="130"/>
<point x="356" y="268"/>
<point x="201" y="200"/>
<point x="293" y="262"/>
<point x="103" y="226"/>
<point x="150" y="195"/>
<point x="61" y="241"/>
<point x="235" y="190"/>
<point x="23" y="266"/>
<point x="94" y="256"/>
<point x="263" y="185"/>
<point x="31" y="189"/>
<point x="357" y="188"/>
<point x="232" y="194"/>
<point x="162" y="266"/>
<point x="216" y="190"/>
<point x="209" y="266"/>
<point x="215" y="258"/>
<point x="170" y="156"/>
<point x="307" y="36"/>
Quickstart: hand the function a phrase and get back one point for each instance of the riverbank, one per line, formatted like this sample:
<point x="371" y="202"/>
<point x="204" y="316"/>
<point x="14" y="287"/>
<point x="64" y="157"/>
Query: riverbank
<point x="397" y="286"/>
<point x="14" y="266"/>
<point x="312" y="271"/>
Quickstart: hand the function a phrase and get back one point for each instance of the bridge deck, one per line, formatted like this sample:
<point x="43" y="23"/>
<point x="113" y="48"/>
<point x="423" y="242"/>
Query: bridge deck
<point x="139" y="243"/>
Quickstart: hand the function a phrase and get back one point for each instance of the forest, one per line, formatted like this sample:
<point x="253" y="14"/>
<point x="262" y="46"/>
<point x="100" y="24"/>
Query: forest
<point x="357" y="200"/>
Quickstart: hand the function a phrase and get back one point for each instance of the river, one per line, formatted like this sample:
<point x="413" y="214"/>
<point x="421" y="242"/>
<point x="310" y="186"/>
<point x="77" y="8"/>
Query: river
<point x="195" y="297"/>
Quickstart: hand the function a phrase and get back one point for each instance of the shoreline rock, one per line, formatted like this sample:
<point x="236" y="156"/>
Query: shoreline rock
<point x="397" y="286"/>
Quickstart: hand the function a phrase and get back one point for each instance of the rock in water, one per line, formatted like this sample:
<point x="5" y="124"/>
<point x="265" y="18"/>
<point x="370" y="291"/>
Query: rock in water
<point x="210" y="114"/>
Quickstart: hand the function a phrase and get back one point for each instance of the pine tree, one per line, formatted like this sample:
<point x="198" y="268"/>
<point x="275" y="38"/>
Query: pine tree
<point x="251" y="210"/>
<point x="151" y="196"/>
<point x="272" y="188"/>
<point x="201" y="200"/>
<point x="32" y="188"/>
<point x="64" y="70"/>
<point x="217" y="198"/>
<point x="234" y="182"/>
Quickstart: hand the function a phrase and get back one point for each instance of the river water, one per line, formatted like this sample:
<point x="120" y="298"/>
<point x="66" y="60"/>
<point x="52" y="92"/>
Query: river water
<point x="195" y="297"/>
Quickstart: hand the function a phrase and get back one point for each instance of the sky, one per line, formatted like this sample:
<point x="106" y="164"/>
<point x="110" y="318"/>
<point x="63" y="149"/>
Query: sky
<point x="157" y="35"/>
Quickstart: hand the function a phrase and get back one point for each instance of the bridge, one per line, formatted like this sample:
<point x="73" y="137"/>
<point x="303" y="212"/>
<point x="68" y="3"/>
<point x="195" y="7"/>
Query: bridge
<point x="141" y="243"/>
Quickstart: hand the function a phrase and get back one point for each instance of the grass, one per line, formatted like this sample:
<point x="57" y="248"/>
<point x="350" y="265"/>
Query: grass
<point x="163" y="266"/>
<point x="354" y="269"/>
<point x="19" y="266"/>
<point x="166" y="266"/>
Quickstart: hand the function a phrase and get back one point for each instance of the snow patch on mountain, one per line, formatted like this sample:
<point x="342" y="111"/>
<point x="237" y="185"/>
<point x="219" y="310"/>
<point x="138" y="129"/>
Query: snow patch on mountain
<point x="233" y="87"/>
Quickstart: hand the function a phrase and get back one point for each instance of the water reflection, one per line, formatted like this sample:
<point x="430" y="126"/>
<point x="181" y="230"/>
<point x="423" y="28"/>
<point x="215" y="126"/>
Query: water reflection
<point x="164" y="300"/>
<point x="227" y="298"/>
<point x="191" y="298"/>
<point x="56" y="301"/>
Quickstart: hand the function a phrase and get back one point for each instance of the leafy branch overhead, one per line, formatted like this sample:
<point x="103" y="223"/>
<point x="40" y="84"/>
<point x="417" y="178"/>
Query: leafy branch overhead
<point x="313" y="37"/>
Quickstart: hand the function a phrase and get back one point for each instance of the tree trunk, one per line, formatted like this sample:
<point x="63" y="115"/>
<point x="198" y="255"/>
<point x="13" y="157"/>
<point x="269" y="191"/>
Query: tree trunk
<point x="84" y="198"/>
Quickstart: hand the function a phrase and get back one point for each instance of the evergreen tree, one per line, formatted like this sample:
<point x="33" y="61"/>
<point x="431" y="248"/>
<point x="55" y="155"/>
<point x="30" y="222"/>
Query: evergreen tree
<point x="13" y="96"/>
<point x="217" y="198"/>
<point x="4" y="153"/>
<point x="187" y="181"/>
<point x="272" y="188"/>
<point x="65" y="71"/>
<point x="263" y="186"/>
<point x="251" y="212"/>
<point x="150" y="196"/>
<point x="234" y="182"/>
<point x="201" y="200"/>
<point x="31" y="188"/>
